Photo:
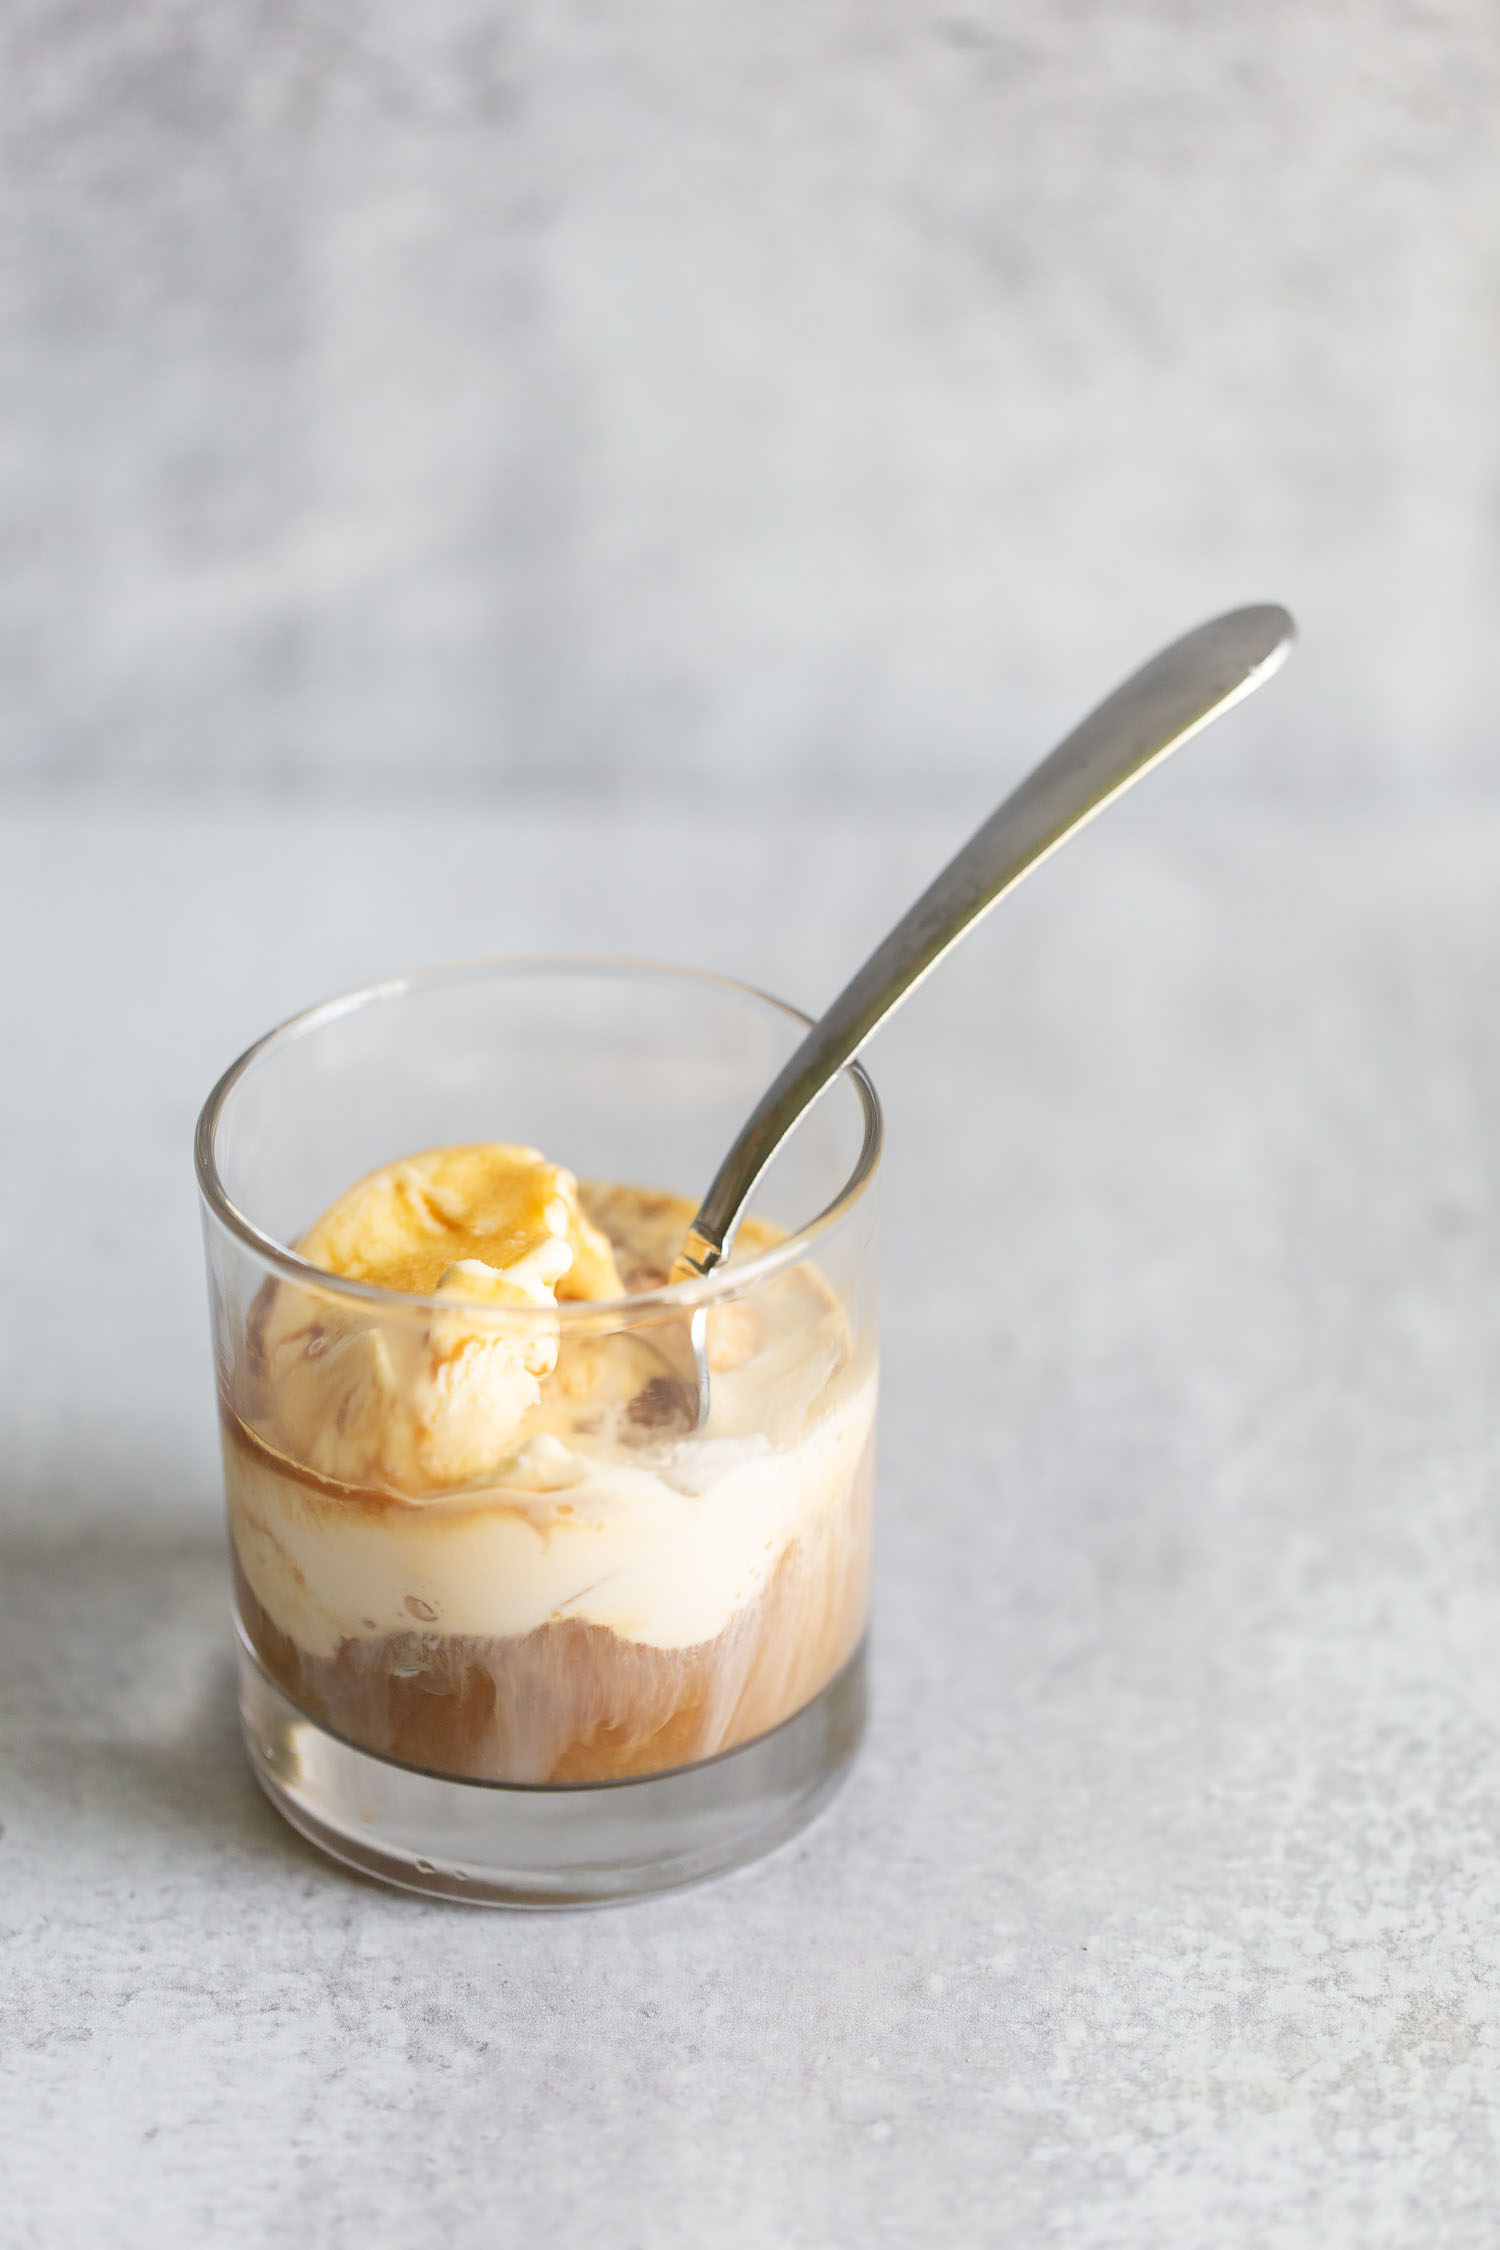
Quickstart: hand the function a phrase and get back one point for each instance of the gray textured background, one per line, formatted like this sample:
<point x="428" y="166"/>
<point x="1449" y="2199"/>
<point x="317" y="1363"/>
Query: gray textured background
<point x="666" y="400"/>
<point x="537" y="391"/>
<point x="1162" y="1911"/>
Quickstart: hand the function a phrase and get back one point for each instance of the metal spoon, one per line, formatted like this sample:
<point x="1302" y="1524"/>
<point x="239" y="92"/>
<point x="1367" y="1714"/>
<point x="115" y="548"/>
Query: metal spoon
<point x="1169" y="699"/>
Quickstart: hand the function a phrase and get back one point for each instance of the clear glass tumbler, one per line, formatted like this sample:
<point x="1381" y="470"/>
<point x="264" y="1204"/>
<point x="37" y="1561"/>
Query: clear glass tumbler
<point x="627" y="1654"/>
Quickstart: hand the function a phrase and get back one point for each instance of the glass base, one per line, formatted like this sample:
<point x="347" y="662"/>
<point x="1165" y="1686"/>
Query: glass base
<point x="490" y="1844"/>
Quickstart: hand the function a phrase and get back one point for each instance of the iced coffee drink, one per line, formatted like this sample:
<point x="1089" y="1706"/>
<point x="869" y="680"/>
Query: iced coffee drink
<point x="471" y="1530"/>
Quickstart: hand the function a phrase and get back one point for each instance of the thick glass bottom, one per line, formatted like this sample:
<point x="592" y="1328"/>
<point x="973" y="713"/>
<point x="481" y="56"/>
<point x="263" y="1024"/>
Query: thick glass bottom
<point x="491" y="1844"/>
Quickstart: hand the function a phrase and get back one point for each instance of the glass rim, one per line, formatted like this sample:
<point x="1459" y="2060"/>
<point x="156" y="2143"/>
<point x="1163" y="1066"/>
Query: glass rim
<point x="726" y="1280"/>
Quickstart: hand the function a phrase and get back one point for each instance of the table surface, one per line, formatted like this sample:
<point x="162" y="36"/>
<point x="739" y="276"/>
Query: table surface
<point x="1162" y="1908"/>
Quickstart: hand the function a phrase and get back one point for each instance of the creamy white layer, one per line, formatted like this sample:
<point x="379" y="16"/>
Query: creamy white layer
<point x="663" y="1550"/>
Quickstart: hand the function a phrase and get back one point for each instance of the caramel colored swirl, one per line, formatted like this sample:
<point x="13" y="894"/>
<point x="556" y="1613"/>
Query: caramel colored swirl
<point x="503" y="1208"/>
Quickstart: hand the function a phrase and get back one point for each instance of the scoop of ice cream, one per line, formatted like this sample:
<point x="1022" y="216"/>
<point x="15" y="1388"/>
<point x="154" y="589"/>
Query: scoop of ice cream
<point x="407" y="1225"/>
<point x="423" y="1401"/>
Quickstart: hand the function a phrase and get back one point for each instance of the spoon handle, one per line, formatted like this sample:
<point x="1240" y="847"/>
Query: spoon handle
<point x="1169" y="699"/>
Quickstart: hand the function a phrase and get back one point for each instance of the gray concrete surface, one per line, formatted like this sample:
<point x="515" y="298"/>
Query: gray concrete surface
<point x="1163" y="1910"/>
<point x="525" y="392"/>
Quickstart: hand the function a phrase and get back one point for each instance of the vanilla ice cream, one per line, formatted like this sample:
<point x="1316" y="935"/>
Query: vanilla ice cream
<point x="462" y="1535"/>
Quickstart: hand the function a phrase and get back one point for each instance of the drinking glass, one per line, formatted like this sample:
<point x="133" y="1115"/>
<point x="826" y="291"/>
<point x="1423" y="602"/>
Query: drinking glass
<point x="630" y="1653"/>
